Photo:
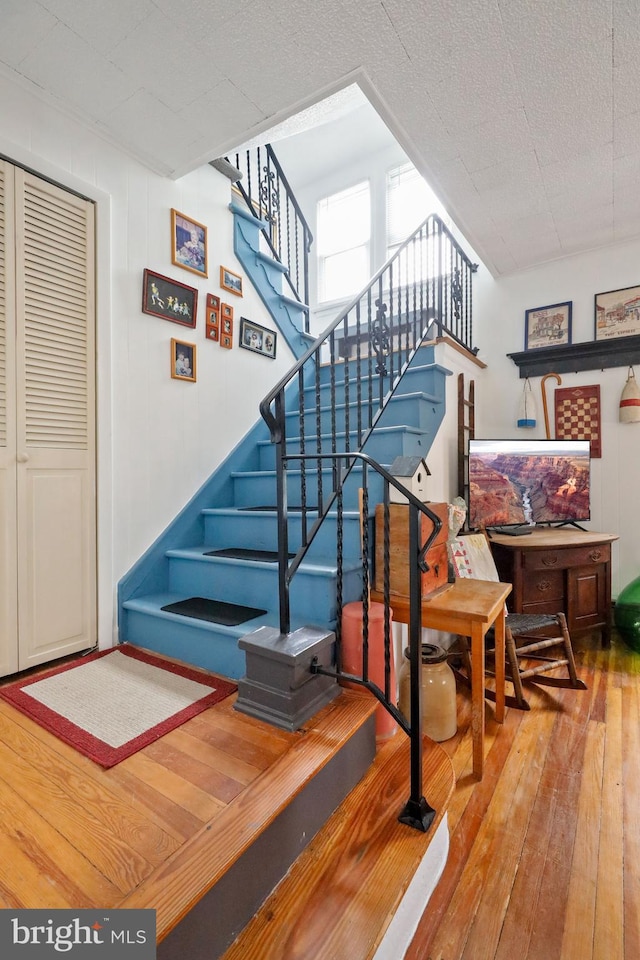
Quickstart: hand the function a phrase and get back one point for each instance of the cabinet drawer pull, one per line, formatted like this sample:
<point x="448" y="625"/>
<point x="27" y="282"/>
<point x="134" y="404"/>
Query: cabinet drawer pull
<point x="595" y="555"/>
<point x="549" y="561"/>
<point x="543" y="585"/>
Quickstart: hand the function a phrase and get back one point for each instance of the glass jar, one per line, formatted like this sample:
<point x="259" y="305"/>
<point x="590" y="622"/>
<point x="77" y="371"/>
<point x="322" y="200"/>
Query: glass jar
<point x="439" y="718"/>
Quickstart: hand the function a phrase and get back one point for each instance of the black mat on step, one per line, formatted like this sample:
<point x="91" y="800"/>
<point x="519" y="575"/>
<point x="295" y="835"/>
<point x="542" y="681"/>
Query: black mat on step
<point x="242" y="553"/>
<point x="215" y="611"/>
<point x="274" y="508"/>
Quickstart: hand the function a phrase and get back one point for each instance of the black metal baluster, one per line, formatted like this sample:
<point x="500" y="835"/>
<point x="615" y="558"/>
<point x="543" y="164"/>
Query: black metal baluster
<point x="318" y="432"/>
<point x="303" y="462"/>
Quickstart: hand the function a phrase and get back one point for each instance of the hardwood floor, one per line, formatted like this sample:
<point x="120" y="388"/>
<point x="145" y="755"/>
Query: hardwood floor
<point x="544" y="859"/>
<point x="161" y="827"/>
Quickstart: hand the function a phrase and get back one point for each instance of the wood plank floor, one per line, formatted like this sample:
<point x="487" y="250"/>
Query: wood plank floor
<point x="161" y="827"/>
<point x="545" y="852"/>
<point x="544" y="861"/>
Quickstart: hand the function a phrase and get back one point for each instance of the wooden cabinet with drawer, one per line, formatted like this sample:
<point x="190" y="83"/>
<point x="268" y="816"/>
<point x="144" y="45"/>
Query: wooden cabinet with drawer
<point x="559" y="569"/>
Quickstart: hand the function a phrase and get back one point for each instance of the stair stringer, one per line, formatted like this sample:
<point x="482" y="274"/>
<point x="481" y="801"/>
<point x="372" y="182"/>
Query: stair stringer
<point x="266" y="276"/>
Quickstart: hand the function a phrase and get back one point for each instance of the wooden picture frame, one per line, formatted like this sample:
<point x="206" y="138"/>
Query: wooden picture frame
<point x="226" y="341"/>
<point x="212" y="324"/>
<point x="231" y="281"/>
<point x="183" y="360"/>
<point x="188" y="243"/>
<point x="257" y="338"/>
<point x="169" y="299"/>
<point x="617" y="313"/>
<point x="548" y="326"/>
<point x="213" y="302"/>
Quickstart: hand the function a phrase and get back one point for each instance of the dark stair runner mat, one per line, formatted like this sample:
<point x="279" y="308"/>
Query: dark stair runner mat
<point x="274" y="508"/>
<point x="242" y="553"/>
<point x="216" y="611"/>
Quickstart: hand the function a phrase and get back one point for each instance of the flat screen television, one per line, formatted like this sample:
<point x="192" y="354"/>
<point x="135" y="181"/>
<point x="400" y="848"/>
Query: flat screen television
<point x="521" y="483"/>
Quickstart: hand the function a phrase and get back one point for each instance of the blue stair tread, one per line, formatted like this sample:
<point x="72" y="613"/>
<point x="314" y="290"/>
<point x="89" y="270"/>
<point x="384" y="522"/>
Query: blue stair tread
<point x="403" y="428"/>
<point x="327" y="408"/>
<point x="320" y="566"/>
<point x="152" y="604"/>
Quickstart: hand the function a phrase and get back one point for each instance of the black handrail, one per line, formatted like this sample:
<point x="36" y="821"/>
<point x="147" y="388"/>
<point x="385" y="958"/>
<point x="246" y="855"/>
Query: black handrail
<point x="424" y="288"/>
<point x="268" y="194"/>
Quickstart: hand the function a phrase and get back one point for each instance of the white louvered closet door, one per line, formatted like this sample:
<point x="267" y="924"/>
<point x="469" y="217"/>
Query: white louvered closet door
<point x="8" y="520"/>
<point x="54" y="430"/>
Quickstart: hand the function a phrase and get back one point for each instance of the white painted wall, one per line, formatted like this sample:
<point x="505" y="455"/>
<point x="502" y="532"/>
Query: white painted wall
<point x="159" y="438"/>
<point x="499" y="311"/>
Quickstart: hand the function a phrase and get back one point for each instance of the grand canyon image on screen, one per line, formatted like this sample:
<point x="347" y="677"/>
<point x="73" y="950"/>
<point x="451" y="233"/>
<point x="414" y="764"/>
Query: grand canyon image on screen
<point x="525" y="482"/>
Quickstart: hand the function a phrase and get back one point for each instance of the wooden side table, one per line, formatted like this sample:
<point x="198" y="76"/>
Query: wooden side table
<point x="557" y="569"/>
<point x="470" y="608"/>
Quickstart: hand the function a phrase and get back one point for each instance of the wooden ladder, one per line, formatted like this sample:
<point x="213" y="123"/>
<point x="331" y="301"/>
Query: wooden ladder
<point x="466" y="432"/>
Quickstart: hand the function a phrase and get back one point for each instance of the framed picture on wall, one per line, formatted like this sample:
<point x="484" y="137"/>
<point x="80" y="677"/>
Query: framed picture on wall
<point x="183" y="360"/>
<point x="617" y="313"/>
<point x="230" y="281"/>
<point x="169" y="299"/>
<point x="547" y="326"/>
<point x="188" y="243"/>
<point x="257" y="338"/>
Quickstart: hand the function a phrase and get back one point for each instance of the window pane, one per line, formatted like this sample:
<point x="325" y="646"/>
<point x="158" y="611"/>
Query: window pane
<point x="344" y="220"/>
<point x="410" y="200"/>
<point x="344" y="274"/>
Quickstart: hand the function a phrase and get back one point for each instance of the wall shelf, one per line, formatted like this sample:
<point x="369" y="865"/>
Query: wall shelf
<point x="574" y="357"/>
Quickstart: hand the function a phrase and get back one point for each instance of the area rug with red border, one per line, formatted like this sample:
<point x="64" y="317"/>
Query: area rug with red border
<point x="110" y="704"/>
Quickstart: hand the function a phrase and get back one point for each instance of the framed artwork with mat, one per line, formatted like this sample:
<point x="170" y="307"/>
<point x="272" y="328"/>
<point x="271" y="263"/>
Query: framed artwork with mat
<point x="577" y="416"/>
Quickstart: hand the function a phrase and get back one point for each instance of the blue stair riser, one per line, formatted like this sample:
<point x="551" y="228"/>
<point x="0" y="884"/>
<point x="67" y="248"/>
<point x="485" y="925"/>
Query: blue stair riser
<point x="257" y="530"/>
<point x="423" y="356"/>
<point x="384" y="445"/>
<point x="260" y="488"/>
<point x="418" y="377"/>
<point x="412" y="410"/>
<point x="312" y="593"/>
<point x="198" y="642"/>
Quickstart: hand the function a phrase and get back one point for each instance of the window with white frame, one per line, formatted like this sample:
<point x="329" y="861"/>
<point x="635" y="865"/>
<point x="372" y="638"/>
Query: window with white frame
<point x="343" y="242"/>
<point x="410" y="200"/>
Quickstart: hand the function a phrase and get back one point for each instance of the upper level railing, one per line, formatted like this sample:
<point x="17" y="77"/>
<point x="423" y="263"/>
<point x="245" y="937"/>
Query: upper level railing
<point x="425" y="289"/>
<point x="267" y="193"/>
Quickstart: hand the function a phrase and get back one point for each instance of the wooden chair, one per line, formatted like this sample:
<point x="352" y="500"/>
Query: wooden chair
<point x="526" y="635"/>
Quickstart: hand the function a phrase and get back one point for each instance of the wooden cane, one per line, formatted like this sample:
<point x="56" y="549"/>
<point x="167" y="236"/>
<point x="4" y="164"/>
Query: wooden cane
<point x="544" y="401"/>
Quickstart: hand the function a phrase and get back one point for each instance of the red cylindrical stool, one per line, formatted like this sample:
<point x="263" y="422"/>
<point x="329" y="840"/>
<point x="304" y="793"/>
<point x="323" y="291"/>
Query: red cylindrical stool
<point x="352" y="626"/>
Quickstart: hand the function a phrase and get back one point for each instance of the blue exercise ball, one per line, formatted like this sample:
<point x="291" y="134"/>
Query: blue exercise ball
<point x="626" y="614"/>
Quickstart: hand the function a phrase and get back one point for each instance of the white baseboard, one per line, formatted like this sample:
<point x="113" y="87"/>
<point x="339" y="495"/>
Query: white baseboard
<point x="400" y="931"/>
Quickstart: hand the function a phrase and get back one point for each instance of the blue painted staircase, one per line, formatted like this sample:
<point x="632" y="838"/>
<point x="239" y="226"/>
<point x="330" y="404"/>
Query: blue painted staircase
<point x="236" y="511"/>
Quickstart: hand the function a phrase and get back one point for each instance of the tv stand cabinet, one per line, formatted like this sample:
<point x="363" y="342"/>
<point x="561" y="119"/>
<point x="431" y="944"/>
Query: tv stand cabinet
<point x="555" y="569"/>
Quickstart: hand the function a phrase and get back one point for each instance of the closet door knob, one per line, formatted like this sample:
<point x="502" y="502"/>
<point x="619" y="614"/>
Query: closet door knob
<point x="23" y="457"/>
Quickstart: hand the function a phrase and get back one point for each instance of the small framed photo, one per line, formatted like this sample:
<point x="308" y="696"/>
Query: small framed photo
<point x="227" y="312"/>
<point x="257" y="338"/>
<point x="212" y="333"/>
<point x="213" y="302"/>
<point x="183" y="360"/>
<point x="169" y="299"/>
<point x="617" y="313"/>
<point x="230" y="281"/>
<point x="188" y="244"/>
<point x="547" y="326"/>
<point x="226" y="340"/>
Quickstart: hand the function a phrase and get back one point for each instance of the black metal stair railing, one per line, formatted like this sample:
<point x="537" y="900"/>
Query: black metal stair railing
<point x="425" y="289"/>
<point x="266" y="191"/>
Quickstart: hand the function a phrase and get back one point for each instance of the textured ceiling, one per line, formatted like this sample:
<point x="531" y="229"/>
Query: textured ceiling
<point x="524" y="115"/>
